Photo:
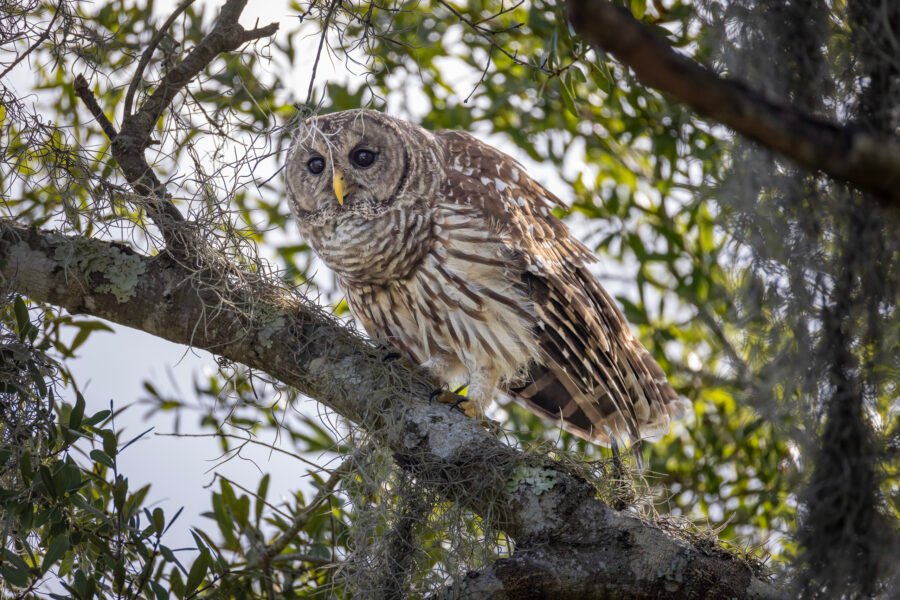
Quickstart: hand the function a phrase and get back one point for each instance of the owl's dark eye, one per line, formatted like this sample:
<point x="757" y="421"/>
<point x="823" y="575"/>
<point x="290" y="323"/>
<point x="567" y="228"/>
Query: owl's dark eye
<point x="316" y="165"/>
<point x="363" y="157"/>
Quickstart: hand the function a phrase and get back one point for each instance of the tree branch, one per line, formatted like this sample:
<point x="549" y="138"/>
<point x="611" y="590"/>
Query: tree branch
<point x="129" y="144"/>
<point x="83" y="91"/>
<point x="582" y="545"/>
<point x="148" y="54"/>
<point x="866" y="159"/>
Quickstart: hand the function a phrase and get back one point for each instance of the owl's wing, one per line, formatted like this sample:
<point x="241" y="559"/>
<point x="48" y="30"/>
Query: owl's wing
<point x="594" y="377"/>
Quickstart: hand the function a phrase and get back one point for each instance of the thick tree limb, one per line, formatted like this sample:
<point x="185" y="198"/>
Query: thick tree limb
<point x="568" y="544"/>
<point x="869" y="160"/>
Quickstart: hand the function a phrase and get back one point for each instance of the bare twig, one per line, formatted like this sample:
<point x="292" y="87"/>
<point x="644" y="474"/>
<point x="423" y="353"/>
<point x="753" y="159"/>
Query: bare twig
<point x="486" y="33"/>
<point x="489" y="35"/>
<point x="40" y="40"/>
<point x="83" y="91"/>
<point x="148" y="54"/>
<point x="866" y="159"/>
<point x="322" y="37"/>
<point x="317" y="561"/>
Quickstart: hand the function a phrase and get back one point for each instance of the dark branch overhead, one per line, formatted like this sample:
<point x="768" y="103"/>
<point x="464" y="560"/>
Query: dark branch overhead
<point x="868" y="160"/>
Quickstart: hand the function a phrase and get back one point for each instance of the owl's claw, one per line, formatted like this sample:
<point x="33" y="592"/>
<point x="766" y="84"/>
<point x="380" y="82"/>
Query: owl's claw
<point x="466" y="407"/>
<point x="436" y="393"/>
<point x="460" y="403"/>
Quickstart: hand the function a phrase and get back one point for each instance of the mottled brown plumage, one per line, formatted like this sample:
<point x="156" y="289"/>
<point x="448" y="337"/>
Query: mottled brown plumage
<point x="448" y="249"/>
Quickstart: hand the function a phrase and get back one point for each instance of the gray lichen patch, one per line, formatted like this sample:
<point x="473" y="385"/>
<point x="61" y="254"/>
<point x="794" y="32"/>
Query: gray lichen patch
<point x="269" y="322"/>
<point x="121" y="269"/>
<point x="539" y="479"/>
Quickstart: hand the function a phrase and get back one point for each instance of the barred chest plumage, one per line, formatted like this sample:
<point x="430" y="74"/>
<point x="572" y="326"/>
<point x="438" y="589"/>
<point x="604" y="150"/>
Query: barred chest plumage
<point x="362" y="247"/>
<point x="458" y="312"/>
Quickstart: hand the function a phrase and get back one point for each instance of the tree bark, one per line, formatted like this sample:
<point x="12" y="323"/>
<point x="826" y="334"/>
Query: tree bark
<point x="568" y="543"/>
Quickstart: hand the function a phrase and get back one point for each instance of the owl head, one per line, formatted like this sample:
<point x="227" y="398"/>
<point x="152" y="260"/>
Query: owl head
<point x="356" y="179"/>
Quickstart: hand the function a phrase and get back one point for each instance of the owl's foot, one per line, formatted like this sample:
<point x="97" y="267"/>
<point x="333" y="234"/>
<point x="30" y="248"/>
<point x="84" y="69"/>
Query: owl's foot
<point x="466" y="407"/>
<point x="460" y="403"/>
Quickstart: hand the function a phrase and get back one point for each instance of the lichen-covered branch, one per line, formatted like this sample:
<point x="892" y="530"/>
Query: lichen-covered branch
<point x="867" y="159"/>
<point x="565" y="538"/>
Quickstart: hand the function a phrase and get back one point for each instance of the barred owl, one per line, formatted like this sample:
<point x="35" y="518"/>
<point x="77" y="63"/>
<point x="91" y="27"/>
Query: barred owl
<point x="446" y="248"/>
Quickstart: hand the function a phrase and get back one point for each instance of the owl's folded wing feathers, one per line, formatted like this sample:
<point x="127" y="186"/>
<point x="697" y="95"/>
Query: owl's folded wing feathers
<point x="594" y="377"/>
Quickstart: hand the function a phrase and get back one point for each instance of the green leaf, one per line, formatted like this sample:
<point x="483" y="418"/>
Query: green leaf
<point x="109" y="442"/>
<point x="169" y="555"/>
<point x="22" y="321"/>
<point x="14" y="570"/>
<point x="103" y="458"/>
<point x="177" y="583"/>
<point x="77" y="413"/>
<point x="161" y="592"/>
<point x="25" y="466"/>
<point x="14" y="576"/>
<point x="97" y="417"/>
<point x="223" y="517"/>
<point x="639" y="8"/>
<point x="261" y="492"/>
<point x="85" y="329"/>
<point x="197" y="573"/>
<point x="55" y="551"/>
<point x="159" y="520"/>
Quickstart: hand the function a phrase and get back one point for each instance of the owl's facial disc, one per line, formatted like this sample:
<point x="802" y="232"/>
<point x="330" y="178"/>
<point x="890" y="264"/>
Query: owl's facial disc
<point x="352" y="161"/>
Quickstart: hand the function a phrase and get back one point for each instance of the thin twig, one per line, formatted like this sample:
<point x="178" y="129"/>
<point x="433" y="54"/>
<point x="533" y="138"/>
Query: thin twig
<point x="483" y="75"/>
<point x="37" y="42"/>
<point x="245" y="441"/>
<point x="488" y="35"/>
<point x="148" y="54"/>
<point x="318" y="561"/>
<point x="312" y="77"/>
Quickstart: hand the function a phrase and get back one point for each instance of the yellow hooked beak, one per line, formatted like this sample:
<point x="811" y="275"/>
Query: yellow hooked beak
<point x="337" y="183"/>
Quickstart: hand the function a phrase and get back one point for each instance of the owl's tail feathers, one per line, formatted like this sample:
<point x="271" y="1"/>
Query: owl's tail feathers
<point x="600" y="417"/>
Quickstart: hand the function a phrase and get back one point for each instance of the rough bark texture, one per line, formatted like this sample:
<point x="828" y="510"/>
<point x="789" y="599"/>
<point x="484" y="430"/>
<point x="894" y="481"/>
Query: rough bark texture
<point x="868" y="159"/>
<point x="568" y="544"/>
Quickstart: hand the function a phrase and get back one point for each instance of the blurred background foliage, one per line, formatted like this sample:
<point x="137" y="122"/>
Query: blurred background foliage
<point x="723" y="258"/>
